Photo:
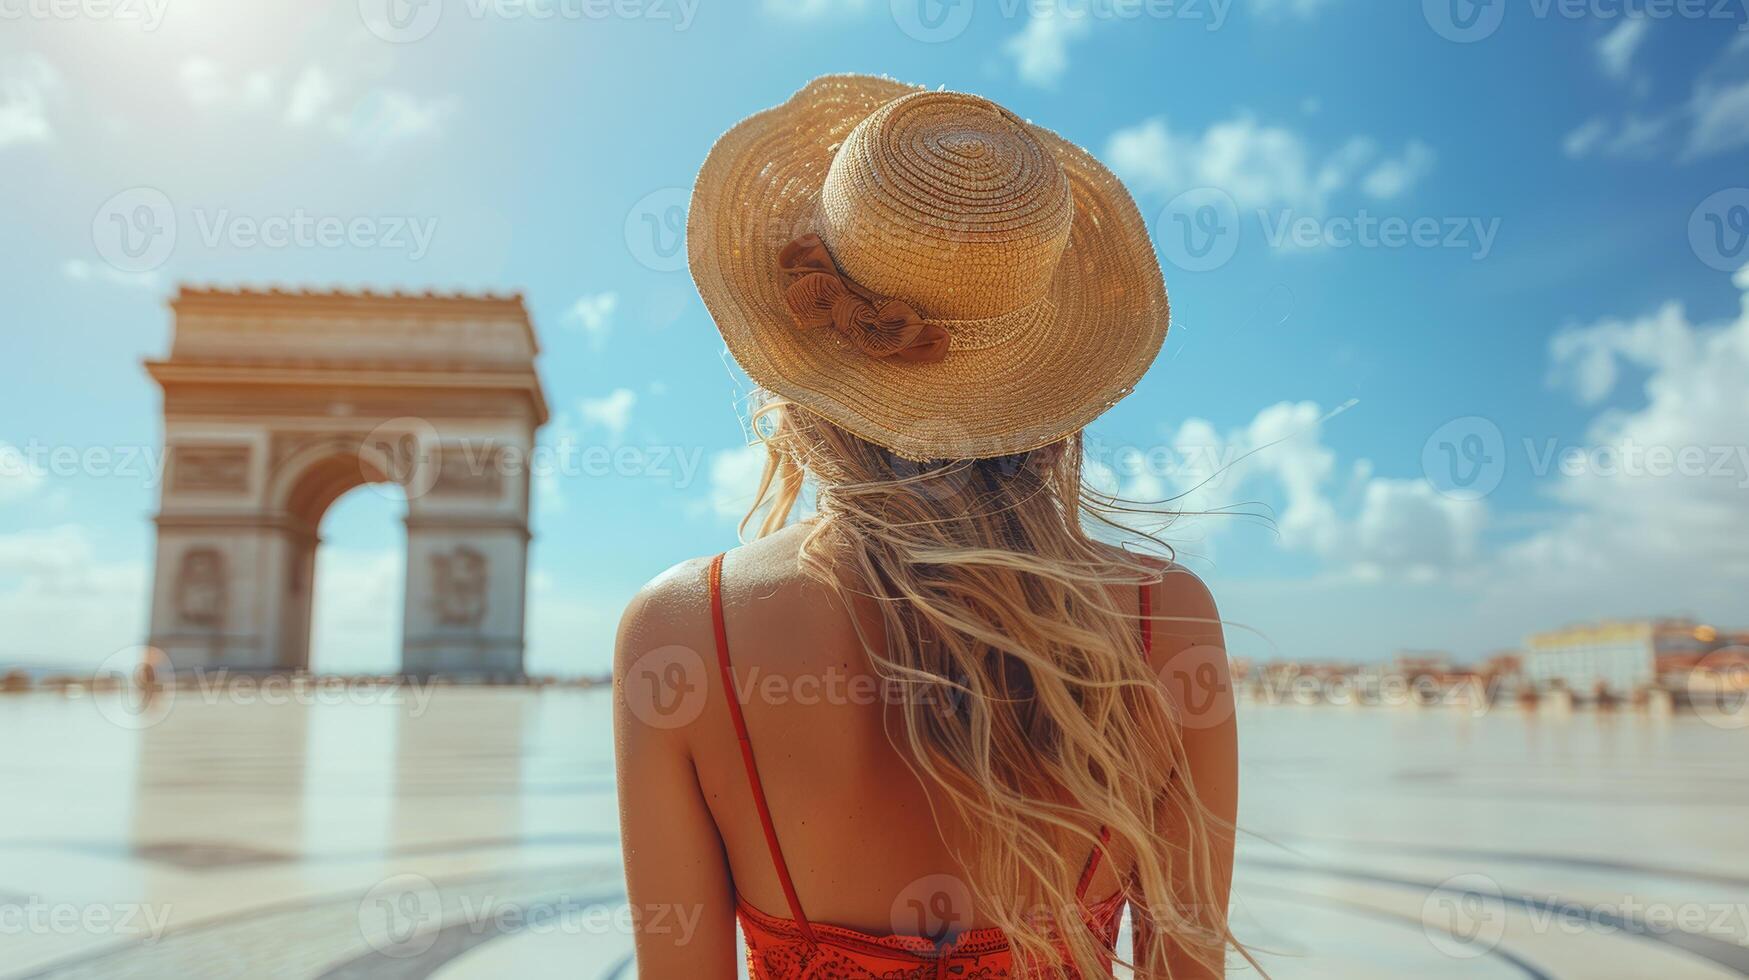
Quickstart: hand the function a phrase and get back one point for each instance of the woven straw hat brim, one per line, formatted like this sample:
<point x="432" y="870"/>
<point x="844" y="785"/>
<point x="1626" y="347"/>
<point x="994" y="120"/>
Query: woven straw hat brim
<point x="1073" y="356"/>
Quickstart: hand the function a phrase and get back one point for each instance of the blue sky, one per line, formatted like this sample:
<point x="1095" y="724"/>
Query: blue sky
<point x="1564" y="189"/>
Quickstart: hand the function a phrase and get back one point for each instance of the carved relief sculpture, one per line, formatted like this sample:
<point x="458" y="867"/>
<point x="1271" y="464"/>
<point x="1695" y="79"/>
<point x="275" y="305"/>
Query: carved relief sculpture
<point x="200" y="587"/>
<point x="208" y="468"/>
<point x="460" y="577"/>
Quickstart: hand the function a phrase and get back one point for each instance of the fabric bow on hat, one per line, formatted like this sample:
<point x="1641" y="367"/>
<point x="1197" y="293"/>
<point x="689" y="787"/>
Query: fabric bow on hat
<point x="819" y="295"/>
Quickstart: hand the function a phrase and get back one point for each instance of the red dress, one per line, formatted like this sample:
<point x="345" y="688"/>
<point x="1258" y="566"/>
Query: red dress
<point x="796" y="949"/>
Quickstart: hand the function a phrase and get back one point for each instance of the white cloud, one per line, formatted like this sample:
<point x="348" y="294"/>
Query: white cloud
<point x="1635" y="136"/>
<point x="79" y="270"/>
<point x="1587" y="360"/>
<point x="570" y="632"/>
<point x="1653" y="498"/>
<point x="356" y="625"/>
<point x="18" y="479"/>
<point x="210" y="86"/>
<point x="1041" y="49"/>
<point x="1258" y="164"/>
<point x="1581" y="141"/>
<point x="1615" y="52"/>
<point x="26" y="84"/>
<point x="594" y="313"/>
<point x="310" y="95"/>
<point x="1301" y="9"/>
<point x="384" y="117"/>
<point x="810" y="9"/>
<point x="1713" y="120"/>
<point x="346" y="104"/>
<point x="1407" y="527"/>
<point x="612" y="412"/>
<point x="1395" y="175"/>
<point x="62" y="604"/>
<point x="1721" y="119"/>
<point x="1360" y="525"/>
<point x="734" y="479"/>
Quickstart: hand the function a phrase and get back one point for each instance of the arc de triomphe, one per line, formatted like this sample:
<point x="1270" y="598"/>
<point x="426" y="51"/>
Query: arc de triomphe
<point x="276" y="403"/>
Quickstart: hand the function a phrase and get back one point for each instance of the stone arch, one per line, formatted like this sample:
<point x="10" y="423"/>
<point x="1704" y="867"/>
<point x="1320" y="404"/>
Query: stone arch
<point x="276" y="404"/>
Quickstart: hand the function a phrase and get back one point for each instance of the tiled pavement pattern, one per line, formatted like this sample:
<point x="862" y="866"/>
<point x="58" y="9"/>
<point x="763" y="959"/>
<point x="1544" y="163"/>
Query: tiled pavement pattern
<point x="473" y="836"/>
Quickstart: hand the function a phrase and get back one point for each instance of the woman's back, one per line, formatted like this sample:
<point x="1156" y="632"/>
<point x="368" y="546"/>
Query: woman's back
<point x="963" y="293"/>
<point x="865" y="846"/>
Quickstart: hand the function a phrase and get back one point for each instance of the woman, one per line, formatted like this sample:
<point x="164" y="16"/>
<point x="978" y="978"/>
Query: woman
<point x="937" y="730"/>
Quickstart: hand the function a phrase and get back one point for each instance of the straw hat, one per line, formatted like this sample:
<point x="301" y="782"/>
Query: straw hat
<point x="925" y="269"/>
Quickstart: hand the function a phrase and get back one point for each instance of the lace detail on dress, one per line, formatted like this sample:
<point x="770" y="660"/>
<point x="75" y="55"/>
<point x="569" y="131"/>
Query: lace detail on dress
<point x="777" y="950"/>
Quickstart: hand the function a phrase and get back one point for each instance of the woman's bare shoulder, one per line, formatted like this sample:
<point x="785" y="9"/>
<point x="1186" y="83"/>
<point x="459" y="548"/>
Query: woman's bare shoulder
<point x="675" y="606"/>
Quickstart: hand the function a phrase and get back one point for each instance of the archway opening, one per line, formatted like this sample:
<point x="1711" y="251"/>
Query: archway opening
<point x="359" y="583"/>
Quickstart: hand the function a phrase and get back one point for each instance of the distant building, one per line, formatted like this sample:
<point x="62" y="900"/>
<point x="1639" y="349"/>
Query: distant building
<point x="1611" y="656"/>
<point x="1507" y="664"/>
<point x="1420" y="663"/>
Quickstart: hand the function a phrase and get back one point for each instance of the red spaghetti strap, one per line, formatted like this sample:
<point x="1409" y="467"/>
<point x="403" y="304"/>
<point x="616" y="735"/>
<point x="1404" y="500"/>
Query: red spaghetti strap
<point x="732" y="695"/>
<point x="1147" y="604"/>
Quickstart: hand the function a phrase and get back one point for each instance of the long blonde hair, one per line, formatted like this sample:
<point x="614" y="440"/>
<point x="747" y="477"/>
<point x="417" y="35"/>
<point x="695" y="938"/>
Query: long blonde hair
<point x="1022" y="691"/>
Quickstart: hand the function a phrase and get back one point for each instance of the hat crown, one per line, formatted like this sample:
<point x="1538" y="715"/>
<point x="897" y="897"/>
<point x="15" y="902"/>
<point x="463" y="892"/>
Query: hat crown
<point x="947" y="201"/>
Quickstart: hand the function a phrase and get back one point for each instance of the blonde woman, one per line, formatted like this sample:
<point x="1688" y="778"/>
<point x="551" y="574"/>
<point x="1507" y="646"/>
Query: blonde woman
<point x="939" y="729"/>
